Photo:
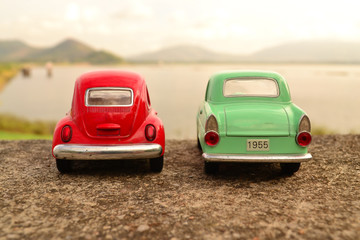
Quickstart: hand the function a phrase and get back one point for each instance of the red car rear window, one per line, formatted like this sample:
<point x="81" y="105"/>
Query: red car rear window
<point x="109" y="97"/>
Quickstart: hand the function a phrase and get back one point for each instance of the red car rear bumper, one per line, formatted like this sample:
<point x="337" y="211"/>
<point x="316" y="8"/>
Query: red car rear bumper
<point x="107" y="152"/>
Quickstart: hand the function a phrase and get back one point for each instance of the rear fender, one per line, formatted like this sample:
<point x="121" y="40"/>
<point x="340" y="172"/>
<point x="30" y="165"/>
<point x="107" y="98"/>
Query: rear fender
<point x="67" y="120"/>
<point x="294" y="113"/>
<point x="210" y="109"/>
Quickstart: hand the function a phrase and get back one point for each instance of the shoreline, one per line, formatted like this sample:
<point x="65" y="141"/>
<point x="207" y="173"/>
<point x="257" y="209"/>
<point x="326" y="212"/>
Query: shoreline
<point x="7" y="72"/>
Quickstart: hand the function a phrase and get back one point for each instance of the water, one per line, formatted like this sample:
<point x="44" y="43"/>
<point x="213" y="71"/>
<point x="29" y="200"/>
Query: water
<point x="328" y="93"/>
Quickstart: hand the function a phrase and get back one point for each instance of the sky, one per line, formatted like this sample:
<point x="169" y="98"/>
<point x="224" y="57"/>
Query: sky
<point x="131" y="27"/>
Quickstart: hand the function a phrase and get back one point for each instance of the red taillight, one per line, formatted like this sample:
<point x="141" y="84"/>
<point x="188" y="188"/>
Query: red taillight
<point x="150" y="132"/>
<point x="303" y="139"/>
<point x="66" y="133"/>
<point x="212" y="138"/>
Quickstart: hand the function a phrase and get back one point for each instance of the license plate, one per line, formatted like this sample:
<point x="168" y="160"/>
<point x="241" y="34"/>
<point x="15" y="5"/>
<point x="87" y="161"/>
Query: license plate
<point x="258" y="145"/>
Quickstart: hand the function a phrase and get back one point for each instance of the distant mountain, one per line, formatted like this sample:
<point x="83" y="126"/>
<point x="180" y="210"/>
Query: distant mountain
<point x="101" y="57"/>
<point x="14" y="50"/>
<point x="69" y="50"/>
<point x="296" y="52"/>
<point x="311" y="51"/>
<point x="183" y="53"/>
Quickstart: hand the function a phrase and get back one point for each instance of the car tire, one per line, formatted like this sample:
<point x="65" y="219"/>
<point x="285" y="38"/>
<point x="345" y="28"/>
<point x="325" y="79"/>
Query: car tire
<point x="289" y="168"/>
<point x="156" y="164"/>
<point x="64" y="166"/>
<point x="211" y="167"/>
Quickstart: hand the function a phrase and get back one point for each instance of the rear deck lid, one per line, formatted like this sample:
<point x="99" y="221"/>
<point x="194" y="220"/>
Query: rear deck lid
<point x="256" y="120"/>
<point x="109" y="111"/>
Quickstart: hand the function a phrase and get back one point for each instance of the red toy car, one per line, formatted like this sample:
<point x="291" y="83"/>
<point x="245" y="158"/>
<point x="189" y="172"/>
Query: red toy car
<point x="111" y="118"/>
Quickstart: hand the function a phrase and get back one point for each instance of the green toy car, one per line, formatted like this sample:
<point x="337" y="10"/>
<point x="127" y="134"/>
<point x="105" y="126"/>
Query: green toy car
<point x="248" y="116"/>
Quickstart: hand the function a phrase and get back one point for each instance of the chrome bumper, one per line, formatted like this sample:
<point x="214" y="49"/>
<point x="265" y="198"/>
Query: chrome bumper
<point x="283" y="158"/>
<point x="107" y="152"/>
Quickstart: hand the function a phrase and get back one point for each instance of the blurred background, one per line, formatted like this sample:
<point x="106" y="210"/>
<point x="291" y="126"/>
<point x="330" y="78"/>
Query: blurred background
<point x="176" y="46"/>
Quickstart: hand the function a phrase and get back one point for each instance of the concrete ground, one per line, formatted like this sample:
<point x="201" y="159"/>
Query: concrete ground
<point x="124" y="200"/>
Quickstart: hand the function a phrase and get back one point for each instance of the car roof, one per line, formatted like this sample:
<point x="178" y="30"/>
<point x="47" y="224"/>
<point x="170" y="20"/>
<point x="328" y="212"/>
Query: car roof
<point x="214" y="92"/>
<point x="109" y="78"/>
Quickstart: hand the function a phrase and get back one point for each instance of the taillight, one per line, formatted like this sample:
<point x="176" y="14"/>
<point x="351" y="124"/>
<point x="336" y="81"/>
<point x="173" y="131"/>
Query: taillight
<point x="66" y="133"/>
<point x="150" y="132"/>
<point x="303" y="139"/>
<point x="211" y="138"/>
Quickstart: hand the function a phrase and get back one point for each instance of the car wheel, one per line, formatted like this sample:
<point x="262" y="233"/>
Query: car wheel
<point x="64" y="166"/>
<point x="289" y="168"/>
<point x="211" y="167"/>
<point x="156" y="164"/>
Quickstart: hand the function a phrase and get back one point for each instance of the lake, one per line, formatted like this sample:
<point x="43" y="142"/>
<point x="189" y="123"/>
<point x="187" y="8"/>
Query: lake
<point x="328" y="93"/>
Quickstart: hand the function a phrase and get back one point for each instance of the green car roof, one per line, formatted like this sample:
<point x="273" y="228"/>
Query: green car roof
<point x="214" y="92"/>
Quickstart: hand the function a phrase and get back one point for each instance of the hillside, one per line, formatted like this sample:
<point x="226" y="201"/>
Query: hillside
<point x="306" y="51"/>
<point x="101" y="57"/>
<point x="183" y="53"/>
<point x="69" y="50"/>
<point x="12" y="50"/>
<point x="310" y="51"/>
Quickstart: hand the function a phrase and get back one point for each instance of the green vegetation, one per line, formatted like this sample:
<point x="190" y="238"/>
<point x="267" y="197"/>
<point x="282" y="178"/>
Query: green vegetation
<point x="103" y="57"/>
<point x="21" y="136"/>
<point x="12" y="127"/>
<point x="7" y="72"/>
<point x="319" y="130"/>
<point x="24" y="129"/>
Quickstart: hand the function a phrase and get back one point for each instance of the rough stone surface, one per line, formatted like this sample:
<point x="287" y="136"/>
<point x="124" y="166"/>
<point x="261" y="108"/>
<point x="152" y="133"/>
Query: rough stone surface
<point x="124" y="200"/>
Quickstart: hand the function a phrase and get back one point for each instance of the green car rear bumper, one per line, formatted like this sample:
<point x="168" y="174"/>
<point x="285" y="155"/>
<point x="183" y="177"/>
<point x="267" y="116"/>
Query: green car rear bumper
<point x="270" y="158"/>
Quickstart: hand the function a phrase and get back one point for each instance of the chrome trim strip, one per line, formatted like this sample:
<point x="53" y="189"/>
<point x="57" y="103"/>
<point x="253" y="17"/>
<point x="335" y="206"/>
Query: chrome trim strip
<point x="280" y="158"/>
<point x="107" y="152"/>
<point x="206" y="124"/>
<point x="108" y="88"/>
<point x="301" y="118"/>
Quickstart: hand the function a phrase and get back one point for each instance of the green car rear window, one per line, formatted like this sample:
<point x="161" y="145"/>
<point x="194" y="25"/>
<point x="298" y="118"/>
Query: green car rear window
<point x="251" y="87"/>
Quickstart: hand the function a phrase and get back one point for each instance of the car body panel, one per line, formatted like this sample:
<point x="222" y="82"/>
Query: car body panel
<point x="88" y="117"/>
<point x="256" y="120"/>
<point x="101" y="126"/>
<point x="240" y="119"/>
